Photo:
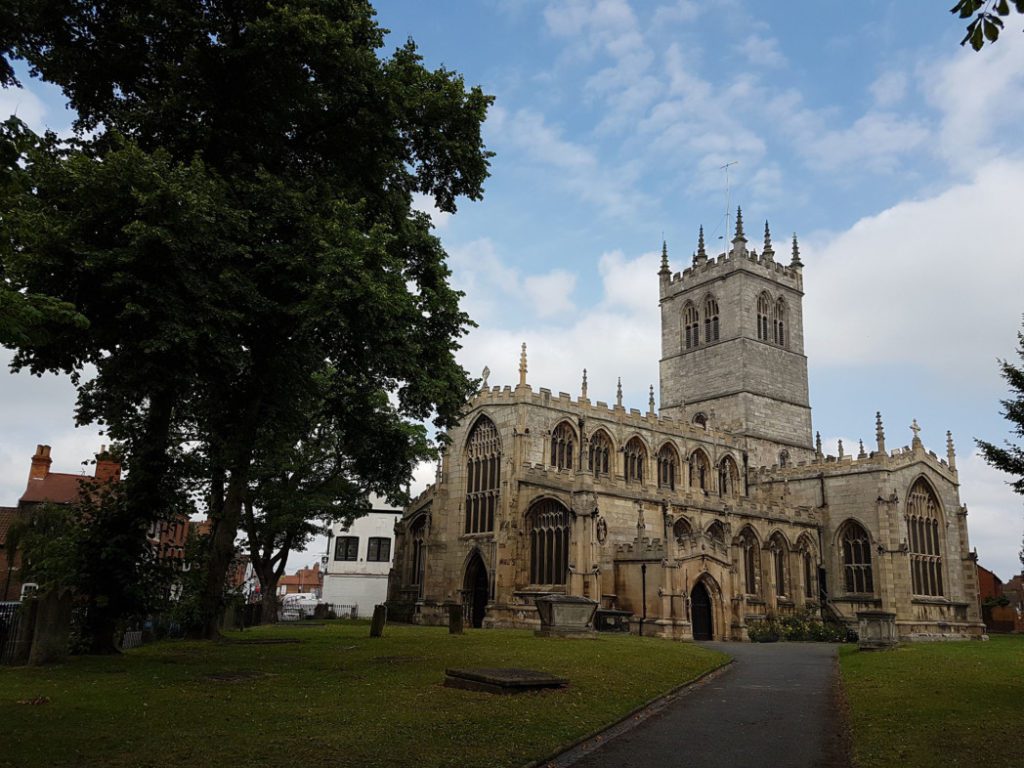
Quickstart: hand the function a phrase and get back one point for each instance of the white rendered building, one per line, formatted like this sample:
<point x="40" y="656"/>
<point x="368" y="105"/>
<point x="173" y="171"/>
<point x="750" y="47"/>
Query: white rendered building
<point x="356" y="571"/>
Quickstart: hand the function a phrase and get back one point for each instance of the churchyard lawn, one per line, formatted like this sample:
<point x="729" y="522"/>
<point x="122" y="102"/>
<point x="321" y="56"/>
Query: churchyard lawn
<point x="335" y="698"/>
<point x="929" y="704"/>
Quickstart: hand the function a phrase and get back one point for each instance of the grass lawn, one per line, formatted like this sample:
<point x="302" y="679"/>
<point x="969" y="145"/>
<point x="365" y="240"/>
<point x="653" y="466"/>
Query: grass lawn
<point x="930" y="704"/>
<point x="337" y="698"/>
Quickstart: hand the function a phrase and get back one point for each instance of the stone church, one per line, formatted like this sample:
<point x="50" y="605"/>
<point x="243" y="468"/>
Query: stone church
<point x="703" y="516"/>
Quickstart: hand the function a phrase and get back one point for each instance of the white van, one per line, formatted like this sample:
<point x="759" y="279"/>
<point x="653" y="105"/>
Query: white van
<point x="298" y="606"/>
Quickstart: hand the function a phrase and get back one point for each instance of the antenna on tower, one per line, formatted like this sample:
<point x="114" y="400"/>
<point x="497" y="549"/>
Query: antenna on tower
<point x="728" y="190"/>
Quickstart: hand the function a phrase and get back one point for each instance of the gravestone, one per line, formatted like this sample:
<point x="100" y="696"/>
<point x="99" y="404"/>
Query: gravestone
<point x="455" y="619"/>
<point x="501" y="680"/>
<point x="380" y="617"/>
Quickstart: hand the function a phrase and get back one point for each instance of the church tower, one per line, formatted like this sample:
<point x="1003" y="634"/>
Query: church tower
<point x="732" y="347"/>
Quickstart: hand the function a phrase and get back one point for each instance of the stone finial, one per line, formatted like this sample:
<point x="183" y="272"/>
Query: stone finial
<point x="817" y="444"/>
<point x="768" y="252"/>
<point x="950" y="450"/>
<point x="483" y="376"/>
<point x="618" y="393"/>
<point x="916" y="442"/>
<point x="522" y="366"/>
<point x="879" y="432"/>
<point x="702" y="254"/>
<point x="583" y="387"/>
<point x="739" y="226"/>
<point x="650" y="402"/>
<point x="841" y="452"/>
<point x="861" y="454"/>
<point x="796" y="254"/>
<point x="664" y="260"/>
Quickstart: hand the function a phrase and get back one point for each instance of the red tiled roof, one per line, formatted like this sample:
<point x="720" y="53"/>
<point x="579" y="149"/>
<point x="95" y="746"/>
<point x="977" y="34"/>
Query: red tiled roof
<point x="57" y="487"/>
<point x="7" y="516"/>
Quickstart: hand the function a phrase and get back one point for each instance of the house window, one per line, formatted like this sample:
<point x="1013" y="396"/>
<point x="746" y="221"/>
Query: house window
<point x="925" y="547"/>
<point x="856" y="559"/>
<point x="635" y="456"/>
<point x="600" y="450"/>
<point x="379" y="549"/>
<point x="483" y="476"/>
<point x="549" y="542"/>
<point x="563" y="440"/>
<point x="346" y="548"/>
<point x="710" y="320"/>
<point x="691" y="326"/>
<point x="668" y="462"/>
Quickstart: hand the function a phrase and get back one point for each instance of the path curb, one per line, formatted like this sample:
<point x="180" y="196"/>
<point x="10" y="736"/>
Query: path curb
<point x="627" y="722"/>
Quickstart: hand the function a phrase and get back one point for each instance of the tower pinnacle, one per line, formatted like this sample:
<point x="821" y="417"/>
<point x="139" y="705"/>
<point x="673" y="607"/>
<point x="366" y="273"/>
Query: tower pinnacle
<point x="768" y="251"/>
<point x="702" y="254"/>
<point x="522" y="366"/>
<point x="796" y="254"/>
<point x="618" y="393"/>
<point x="664" y="260"/>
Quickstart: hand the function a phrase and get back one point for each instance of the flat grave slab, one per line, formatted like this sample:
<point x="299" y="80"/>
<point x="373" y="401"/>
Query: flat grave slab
<point x="501" y="680"/>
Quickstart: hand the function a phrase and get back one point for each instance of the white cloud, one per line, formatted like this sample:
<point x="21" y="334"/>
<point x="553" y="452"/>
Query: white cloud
<point x="550" y="294"/>
<point x="682" y="11"/>
<point x="761" y="51"/>
<point x="889" y="88"/>
<point x="943" y="271"/>
<point x="25" y="105"/>
<point x="876" y="140"/>
<point x="995" y="519"/>
<point x="425" y="204"/>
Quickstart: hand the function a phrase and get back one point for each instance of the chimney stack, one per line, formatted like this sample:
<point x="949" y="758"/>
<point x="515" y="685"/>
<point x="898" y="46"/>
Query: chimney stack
<point x="108" y="466"/>
<point x="41" y="462"/>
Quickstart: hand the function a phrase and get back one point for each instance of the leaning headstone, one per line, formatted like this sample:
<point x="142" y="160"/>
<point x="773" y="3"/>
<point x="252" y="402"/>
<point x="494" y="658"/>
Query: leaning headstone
<point x="380" y="617"/>
<point x="455" y="619"/>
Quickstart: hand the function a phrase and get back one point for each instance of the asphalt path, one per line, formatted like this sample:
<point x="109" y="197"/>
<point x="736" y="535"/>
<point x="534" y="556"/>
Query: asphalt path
<point x="775" y="706"/>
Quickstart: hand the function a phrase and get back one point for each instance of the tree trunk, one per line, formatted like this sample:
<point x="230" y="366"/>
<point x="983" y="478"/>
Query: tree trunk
<point x="271" y="602"/>
<point x="222" y="552"/>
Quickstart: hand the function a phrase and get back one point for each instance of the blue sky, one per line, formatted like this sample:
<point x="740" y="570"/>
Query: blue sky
<point x="865" y="128"/>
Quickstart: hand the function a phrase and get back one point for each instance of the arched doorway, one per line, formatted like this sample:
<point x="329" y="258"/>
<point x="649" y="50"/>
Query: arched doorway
<point x="700" y="612"/>
<point x="476" y="590"/>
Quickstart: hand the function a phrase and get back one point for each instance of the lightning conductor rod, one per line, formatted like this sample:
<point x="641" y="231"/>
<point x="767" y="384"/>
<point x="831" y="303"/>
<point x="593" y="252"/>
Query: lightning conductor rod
<point x="728" y="227"/>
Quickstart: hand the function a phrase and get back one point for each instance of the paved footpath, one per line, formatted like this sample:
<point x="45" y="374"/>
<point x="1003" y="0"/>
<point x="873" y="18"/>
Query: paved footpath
<point x="775" y="706"/>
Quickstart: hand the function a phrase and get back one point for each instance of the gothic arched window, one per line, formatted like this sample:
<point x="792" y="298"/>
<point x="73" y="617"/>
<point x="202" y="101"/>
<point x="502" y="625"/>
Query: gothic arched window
<point x="810" y="567"/>
<point x="710" y="320"/>
<point x="635" y="456"/>
<point x="700" y="470"/>
<point x="779" y="550"/>
<point x="700" y="419"/>
<point x="483" y="476"/>
<point x="691" y="326"/>
<point x="751" y="554"/>
<point x="681" y="528"/>
<point x="856" y="559"/>
<point x="668" y="467"/>
<point x="600" y="451"/>
<point x="549" y="542"/>
<point x="563" y="440"/>
<point x="779" y="330"/>
<point x="764" y="306"/>
<point x="716" y="532"/>
<point x="418" y="533"/>
<point x="728" y="477"/>
<point x="923" y="522"/>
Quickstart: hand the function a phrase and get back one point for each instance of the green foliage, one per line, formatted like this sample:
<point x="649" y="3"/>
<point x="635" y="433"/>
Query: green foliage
<point x="803" y="626"/>
<point x="986" y="19"/>
<point x="246" y="255"/>
<point x="375" y="702"/>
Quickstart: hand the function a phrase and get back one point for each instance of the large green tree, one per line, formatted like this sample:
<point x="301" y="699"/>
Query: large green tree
<point x="986" y="19"/>
<point x="236" y="215"/>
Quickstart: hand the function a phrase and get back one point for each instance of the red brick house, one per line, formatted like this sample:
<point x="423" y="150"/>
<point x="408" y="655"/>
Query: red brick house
<point x="303" y="581"/>
<point x="999" y="617"/>
<point x="11" y="589"/>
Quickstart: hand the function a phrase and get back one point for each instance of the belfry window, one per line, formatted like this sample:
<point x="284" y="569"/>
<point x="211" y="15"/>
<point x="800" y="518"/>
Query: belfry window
<point x="856" y="559"/>
<point x="635" y="456"/>
<point x="710" y="320"/>
<point x="691" y="326"/>
<point x="668" y="467"/>
<point x="483" y="476"/>
<point x="925" y="541"/>
<point x="563" y="441"/>
<point x="600" y="452"/>
<point x="779" y="323"/>
<point x="764" y="305"/>
<point x="549" y="542"/>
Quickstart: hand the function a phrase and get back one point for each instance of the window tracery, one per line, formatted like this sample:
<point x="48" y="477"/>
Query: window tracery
<point x="563" y="443"/>
<point x="549" y="542"/>
<point x="691" y="326"/>
<point x="700" y="469"/>
<point x="857" y="574"/>
<point x="600" y="452"/>
<point x="924" y="540"/>
<point x="710" y="320"/>
<point x="483" y="476"/>
<point x="635" y="456"/>
<point x="668" y="467"/>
